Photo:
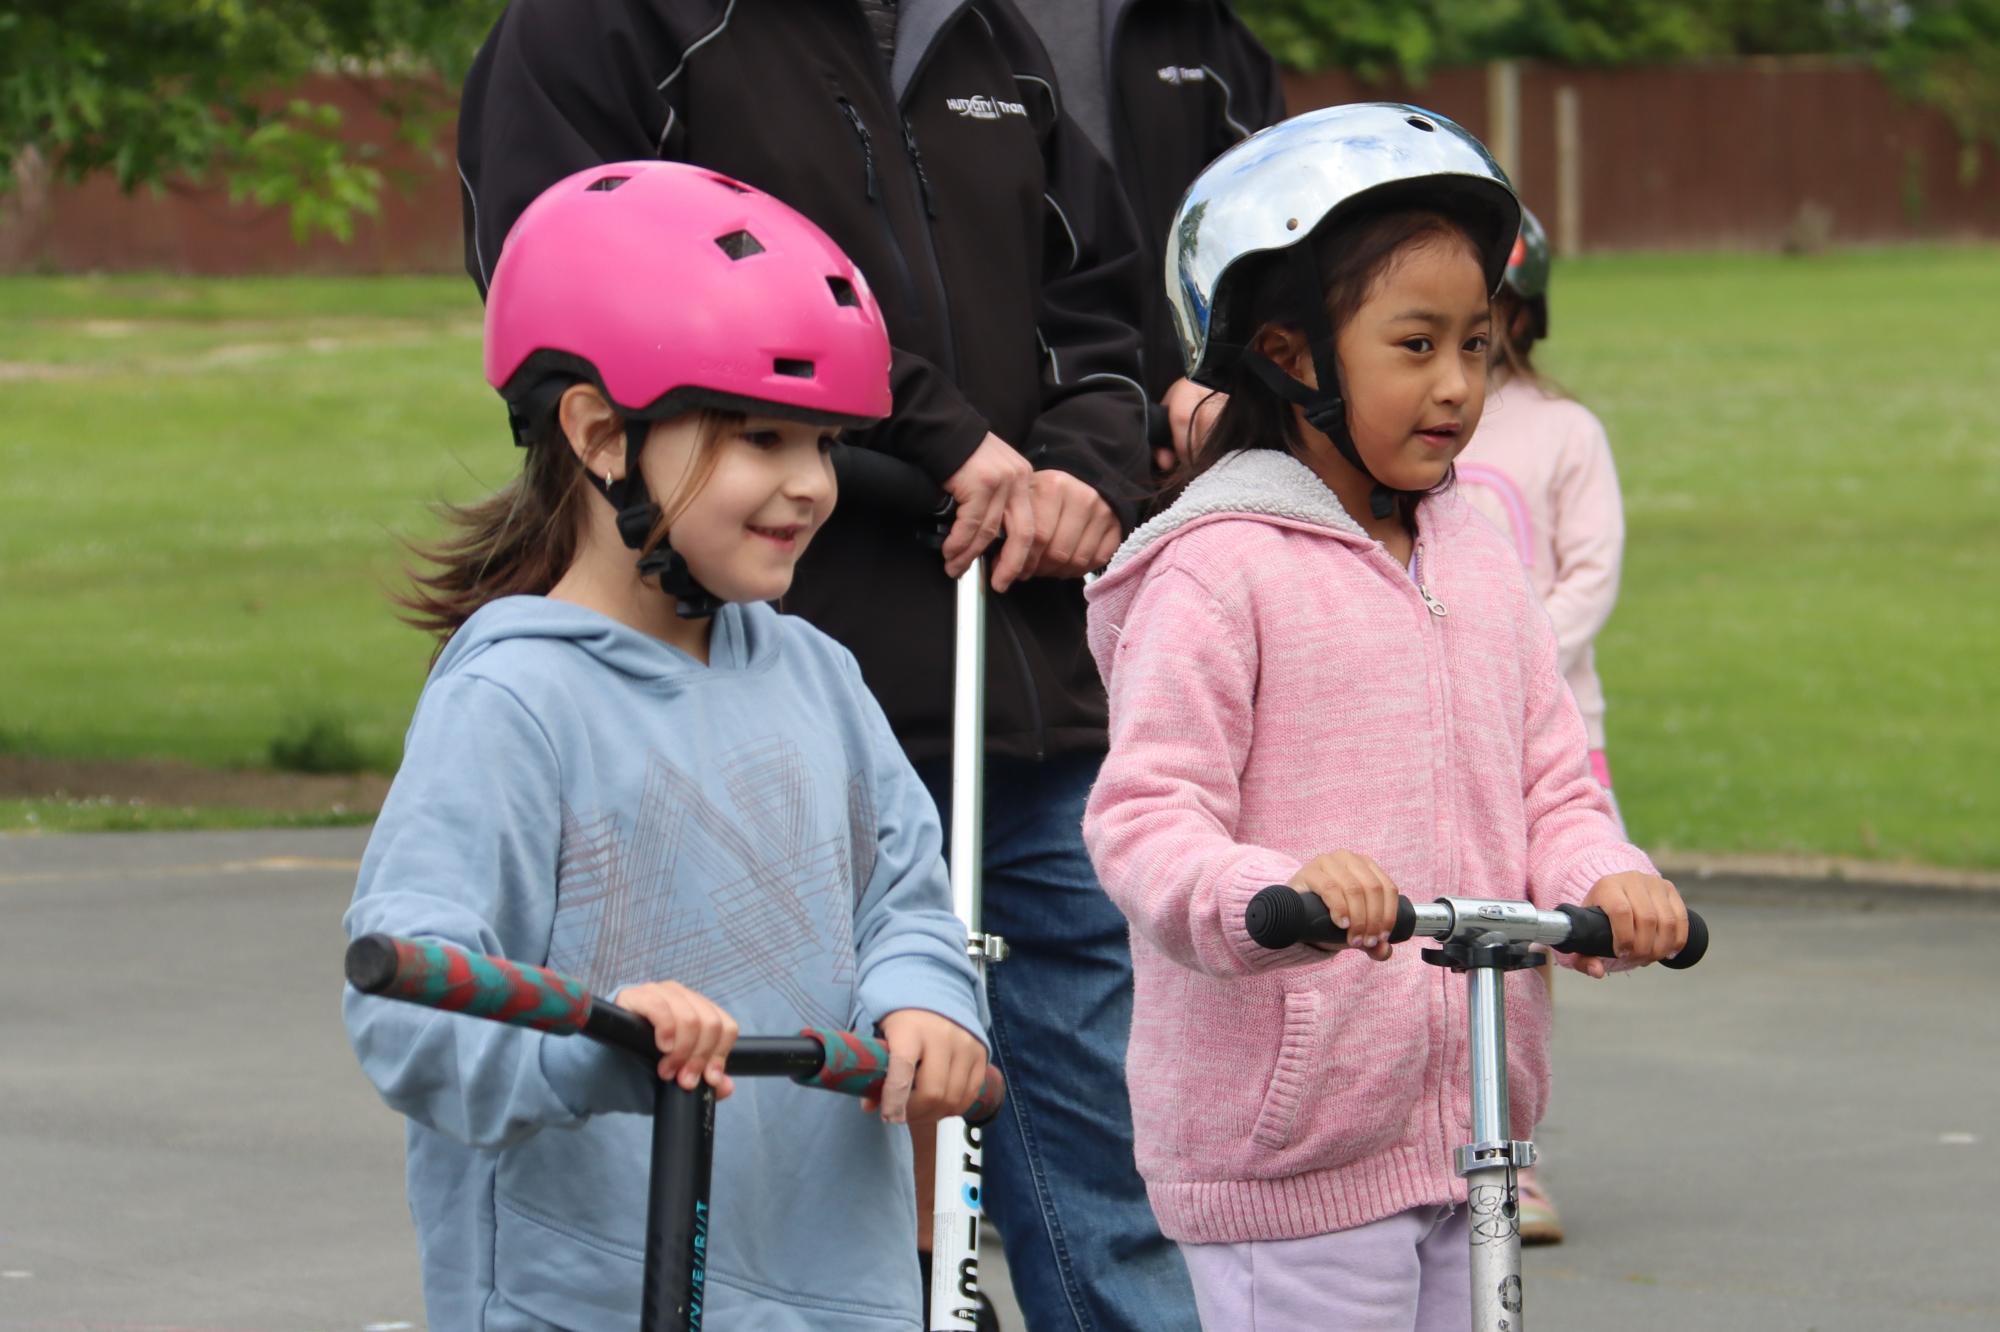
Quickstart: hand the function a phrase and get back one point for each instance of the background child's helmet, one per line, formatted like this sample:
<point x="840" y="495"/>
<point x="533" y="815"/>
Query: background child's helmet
<point x="1528" y="265"/>
<point x="673" y="288"/>
<point x="1276" y="189"/>
<point x="1245" y="228"/>
<point x="1528" y="273"/>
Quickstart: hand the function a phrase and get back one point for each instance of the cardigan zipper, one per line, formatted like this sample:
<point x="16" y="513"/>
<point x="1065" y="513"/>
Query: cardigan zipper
<point x="1435" y="606"/>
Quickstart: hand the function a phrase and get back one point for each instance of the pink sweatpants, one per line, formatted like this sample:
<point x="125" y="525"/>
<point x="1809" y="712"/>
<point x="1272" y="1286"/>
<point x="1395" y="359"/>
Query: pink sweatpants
<point x="1410" y="1272"/>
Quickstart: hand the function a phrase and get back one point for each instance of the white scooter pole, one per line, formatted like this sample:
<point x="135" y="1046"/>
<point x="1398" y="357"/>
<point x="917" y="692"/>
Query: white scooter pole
<point x="956" y="1209"/>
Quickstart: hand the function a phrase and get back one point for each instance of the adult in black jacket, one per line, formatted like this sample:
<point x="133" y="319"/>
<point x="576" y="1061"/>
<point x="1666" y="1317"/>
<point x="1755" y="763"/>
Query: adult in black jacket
<point x="1160" y="87"/>
<point x="925" y="138"/>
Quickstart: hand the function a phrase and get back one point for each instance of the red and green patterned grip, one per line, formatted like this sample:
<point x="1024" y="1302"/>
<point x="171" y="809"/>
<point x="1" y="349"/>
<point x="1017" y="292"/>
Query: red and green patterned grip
<point x="445" y="976"/>
<point x="856" y="1064"/>
<point x="440" y="975"/>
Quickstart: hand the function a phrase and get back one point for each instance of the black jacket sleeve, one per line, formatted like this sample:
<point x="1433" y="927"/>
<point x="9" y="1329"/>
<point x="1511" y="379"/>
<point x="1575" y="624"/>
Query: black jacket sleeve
<point x="559" y="86"/>
<point x="1093" y="410"/>
<point x="931" y="424"/>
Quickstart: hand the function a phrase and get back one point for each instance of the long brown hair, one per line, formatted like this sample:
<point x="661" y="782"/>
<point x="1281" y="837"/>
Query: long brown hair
<point x="521" y="540"/>
<point x="1514" y="354"/>
<point x="1352" y="257"/>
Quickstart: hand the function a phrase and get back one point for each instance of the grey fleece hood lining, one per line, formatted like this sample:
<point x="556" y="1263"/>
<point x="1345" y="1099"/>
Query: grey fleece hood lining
<point x="1254" y="483"/>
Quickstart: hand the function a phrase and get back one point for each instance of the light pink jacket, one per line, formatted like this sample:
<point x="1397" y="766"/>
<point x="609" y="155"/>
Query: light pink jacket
<point x="1540" y="468"/>
<point x="1282" y="687"/>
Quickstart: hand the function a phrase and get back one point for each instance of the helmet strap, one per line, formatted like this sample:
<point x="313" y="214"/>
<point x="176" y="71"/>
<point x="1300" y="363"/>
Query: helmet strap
<point x="638" y="515"/>
<point x="1325" y="407"/>
<point x="1325" y="411"/>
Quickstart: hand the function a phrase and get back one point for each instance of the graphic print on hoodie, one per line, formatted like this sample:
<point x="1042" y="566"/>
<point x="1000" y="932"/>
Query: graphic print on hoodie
<point x="580" y="794"/>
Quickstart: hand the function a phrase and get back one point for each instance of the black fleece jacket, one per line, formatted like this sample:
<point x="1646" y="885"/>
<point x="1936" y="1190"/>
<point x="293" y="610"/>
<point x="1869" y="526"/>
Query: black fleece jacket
<point x="1185" y="80"/>
<point x="998" y="243"/>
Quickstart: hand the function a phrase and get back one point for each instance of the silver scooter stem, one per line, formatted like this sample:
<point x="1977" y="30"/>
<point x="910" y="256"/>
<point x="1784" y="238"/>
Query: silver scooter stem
<point x="1489" y="1162"/>
<point x="956" y="1200"/>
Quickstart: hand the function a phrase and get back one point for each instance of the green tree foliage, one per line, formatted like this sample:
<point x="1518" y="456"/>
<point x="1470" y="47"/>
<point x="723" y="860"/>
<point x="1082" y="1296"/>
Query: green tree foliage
<point x="1409" y="37"/>
<point x="156" y="90"/>
<point x="1947" y="53"/>
<point x="1943" y="52"/>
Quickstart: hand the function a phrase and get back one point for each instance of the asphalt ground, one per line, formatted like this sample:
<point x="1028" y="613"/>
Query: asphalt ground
<point x="1798" y="1134"/>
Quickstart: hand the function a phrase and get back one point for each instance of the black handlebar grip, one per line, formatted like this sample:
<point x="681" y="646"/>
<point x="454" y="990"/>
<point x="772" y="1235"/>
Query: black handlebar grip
<point x="1590" y="934"/>
<point x="1280" y="916"/>
<point x="1693" y="950"/>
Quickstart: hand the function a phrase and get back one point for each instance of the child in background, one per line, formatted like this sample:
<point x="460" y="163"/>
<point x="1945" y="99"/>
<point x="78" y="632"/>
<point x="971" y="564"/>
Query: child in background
<point x="1541" y="469"/>
<point x="1325" y="670"/>
<point x="627" y="766"/>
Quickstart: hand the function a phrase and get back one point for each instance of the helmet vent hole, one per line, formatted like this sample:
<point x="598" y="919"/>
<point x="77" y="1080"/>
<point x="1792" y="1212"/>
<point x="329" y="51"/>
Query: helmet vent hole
<point x="793" y="369"/>
<point x="728" y="184"/>
<point x="1418" y="122"/>
<point x="606" y="183"/>
<point x="740" y="244"/>
<point x="843" y="291"/>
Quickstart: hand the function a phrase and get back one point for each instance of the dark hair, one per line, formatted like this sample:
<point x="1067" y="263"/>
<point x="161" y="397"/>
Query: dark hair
<point x="520" y="540"/>
<point x="1352" y="258"/>
<point x="1515" y="354"/>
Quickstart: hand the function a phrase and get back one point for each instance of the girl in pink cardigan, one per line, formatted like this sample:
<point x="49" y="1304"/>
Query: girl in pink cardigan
<point x="1326" y="670"/>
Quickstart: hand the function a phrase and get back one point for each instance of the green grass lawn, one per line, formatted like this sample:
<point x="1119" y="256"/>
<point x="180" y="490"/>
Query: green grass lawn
<point x="206" y="483"/>
<point x="204" y="494"/>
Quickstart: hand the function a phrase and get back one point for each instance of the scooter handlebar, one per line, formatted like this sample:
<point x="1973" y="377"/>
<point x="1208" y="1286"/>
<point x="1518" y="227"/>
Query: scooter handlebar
<point x="443" y="976"/>
<point x="1590" y="934"/>
<point x="1280" y="916"/>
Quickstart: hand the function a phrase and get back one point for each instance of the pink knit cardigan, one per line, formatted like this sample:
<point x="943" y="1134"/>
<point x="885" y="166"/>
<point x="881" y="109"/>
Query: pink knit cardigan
<point x="1282" y="687"/>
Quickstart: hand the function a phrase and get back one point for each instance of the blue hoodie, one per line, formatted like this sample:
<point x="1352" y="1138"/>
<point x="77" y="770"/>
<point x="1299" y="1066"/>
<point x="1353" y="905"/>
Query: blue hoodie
<point x="579" y="794"/>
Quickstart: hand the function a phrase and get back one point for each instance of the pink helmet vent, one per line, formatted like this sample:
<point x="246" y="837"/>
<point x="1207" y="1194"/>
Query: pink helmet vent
<point x="675" y="288"/>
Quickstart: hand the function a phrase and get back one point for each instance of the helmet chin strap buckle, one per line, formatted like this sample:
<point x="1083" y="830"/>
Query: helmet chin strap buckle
<point x="637" y="517"/>
<point x="1326" y="411"/>
<point x="692" y="601"/>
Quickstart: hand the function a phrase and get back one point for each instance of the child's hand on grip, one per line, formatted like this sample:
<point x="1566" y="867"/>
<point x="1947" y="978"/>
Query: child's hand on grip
<point x="936" y="1068"/>
<point x="694" y="1035"/>
<point x="1359" y="894"/>
<point x="1648" y="919"/>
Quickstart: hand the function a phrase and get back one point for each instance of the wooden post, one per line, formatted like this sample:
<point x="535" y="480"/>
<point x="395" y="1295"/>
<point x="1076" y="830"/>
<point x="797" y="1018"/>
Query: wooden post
<point x="1503" y="116"/>
<point x="1569" y="172"/>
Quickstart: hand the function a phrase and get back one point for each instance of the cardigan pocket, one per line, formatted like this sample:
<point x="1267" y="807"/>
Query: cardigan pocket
<point x="1298" y="1061"/>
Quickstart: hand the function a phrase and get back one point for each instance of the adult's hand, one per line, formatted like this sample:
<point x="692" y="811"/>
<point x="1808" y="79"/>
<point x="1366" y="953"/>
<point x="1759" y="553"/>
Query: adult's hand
<point x="1191" y="413"/>
<point x="1079" y="531"/>
<point x="995" y="491"/>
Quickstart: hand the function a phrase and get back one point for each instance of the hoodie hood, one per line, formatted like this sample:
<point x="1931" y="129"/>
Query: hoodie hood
<point x="1261" y="484"/>
<point x="740" y="640"/>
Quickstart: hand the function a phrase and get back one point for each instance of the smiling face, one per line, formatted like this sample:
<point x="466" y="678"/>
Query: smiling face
<point x="742" y="510"/>
<point x="1413" y="361"/>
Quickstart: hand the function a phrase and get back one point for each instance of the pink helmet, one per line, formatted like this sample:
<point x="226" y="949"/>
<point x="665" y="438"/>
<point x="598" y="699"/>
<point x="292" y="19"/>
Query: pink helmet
<point x="672" y="288"/>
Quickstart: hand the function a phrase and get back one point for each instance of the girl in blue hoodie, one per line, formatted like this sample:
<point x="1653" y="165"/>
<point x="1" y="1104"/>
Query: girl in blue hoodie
<point x="627" y="766"/>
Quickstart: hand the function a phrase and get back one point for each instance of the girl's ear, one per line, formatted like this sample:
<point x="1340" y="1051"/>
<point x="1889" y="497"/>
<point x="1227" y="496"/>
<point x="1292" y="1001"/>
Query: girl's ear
<point x="594" y="430"/>
<point x="1288" y="349"/>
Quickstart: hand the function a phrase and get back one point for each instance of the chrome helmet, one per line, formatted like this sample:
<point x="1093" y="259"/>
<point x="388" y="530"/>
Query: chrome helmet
<point x="1260" y="204"/>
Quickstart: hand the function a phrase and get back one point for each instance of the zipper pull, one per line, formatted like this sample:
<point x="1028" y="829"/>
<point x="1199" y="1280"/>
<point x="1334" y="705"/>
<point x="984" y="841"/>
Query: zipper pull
<point x="917" y="160"/>
<point x="1435" y="606"/>
<point x="867" y="145"/>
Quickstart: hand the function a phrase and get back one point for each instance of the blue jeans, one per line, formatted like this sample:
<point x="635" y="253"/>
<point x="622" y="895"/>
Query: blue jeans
<point x="1060" y="1183"/>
